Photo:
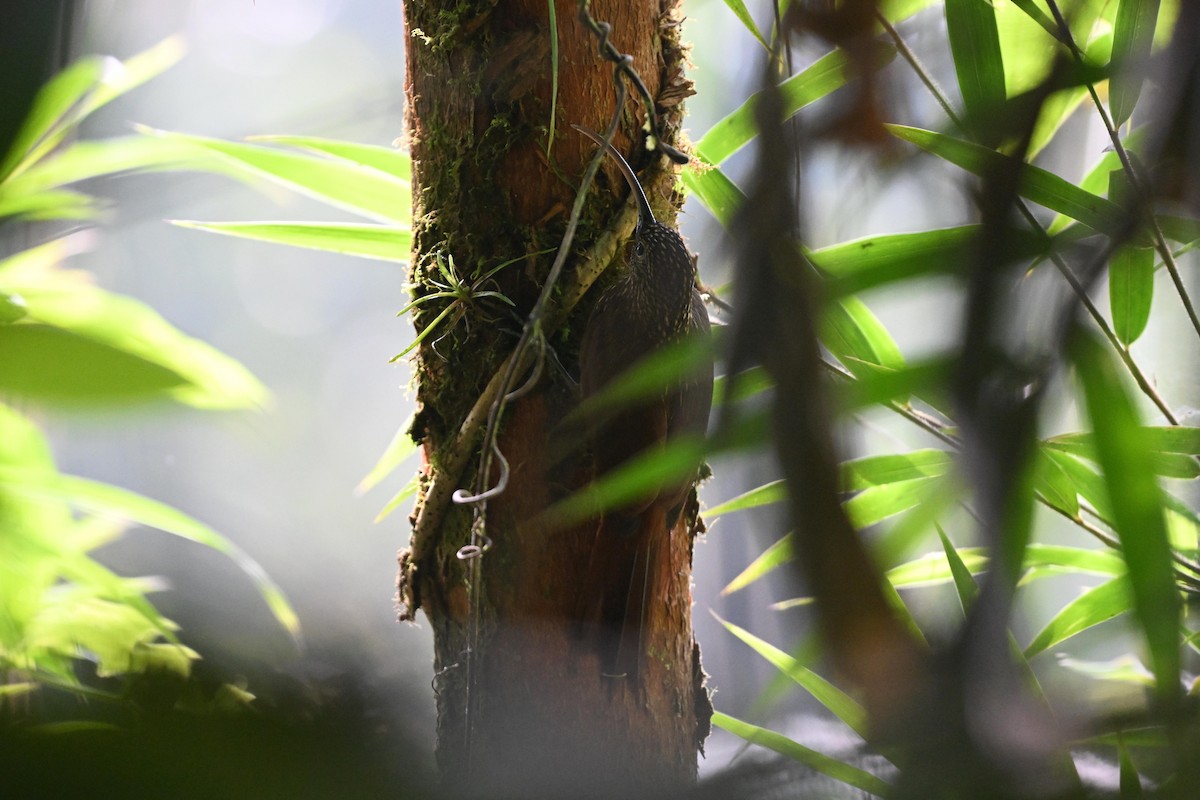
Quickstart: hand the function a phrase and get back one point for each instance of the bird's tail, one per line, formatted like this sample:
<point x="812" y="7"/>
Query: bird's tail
<point x="619" y="589"/>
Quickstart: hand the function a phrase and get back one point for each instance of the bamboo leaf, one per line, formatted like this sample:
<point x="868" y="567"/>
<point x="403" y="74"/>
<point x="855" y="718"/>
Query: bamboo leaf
<point x="103" y="499"/>
<point x="1133" y="35"/>
<point x="857" y="338"/>
<point x="388" y="160"/>
<point x="877" y="503"/>
<point x="1137" y="506"/>
<point x="379" y="242"/>
<point x="1096" y="605"/>
<point x="342" y="184"/>
<point x="743" y="14"/>
<point x="1038" y="185"/>
<point x="774" y="556"/>
<point x="777" y="742"/>
<point x="1131" y="291"/>
<point x="639" y="478"/>
<point x="773" y="492"/>
<point x="714" y="190"/>
<point x="863" y="473"/>
<point x="964" y="583"/>
<point x="397" y="452"/>
<point x="978" y="62"/>
<point x="824" y="692"/>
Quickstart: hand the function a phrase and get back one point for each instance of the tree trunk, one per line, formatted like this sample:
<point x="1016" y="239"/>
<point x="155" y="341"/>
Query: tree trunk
<point x="542" y="717"/>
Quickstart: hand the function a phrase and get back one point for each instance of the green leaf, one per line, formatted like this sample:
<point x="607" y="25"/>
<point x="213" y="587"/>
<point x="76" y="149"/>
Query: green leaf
<point x="823" y="77"/>
<point x="379" y="242"/>
<point x="978" y="62"/>
<point x="824" y="692"/>
<point x="773" y="492"/>
<point x="714" y="190"/>
<point x="1173" y="450"/>
<point x="409" y="489"/>
<point x="66" y="299"/>
<point x="857" y="338"/>
<point x="880" y="385"/>
<point x="743" y="14"/>
<point x="777" y="742"/>
<point x="863" y="473"/>
<point x="1129" y="780"/>
<point x="933" y="569"/>
<point x="774" y="556"/>
<point x="50" y="364"/>
<point x="63" y="94"/>
<point x="103" y="499"/>
<point x="342" y="184"/>
<point x="1055" y="112"/>
<point x="86" y="160"/>
<point x="639" y="478"/>
<point x="388" y="160"/>
<point x="1133" y="36"/>
<point x="855" y="266"/>
<point x="1123" y="669"/>
<point x="1053" y="484"/>
<point x="60" y="204"/>
<point x="397" y="452"/>
<point x="1137" y="506"/>
<point x="880" y="502"/>
<point x="1038" y="185"/>
<point x="76" y="92"/>
<point x="1131" y="291"/>
<point x="964" y="583"/>
<point x="1096" y="605"/>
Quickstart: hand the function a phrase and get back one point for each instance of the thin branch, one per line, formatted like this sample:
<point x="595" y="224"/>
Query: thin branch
<point x="1141" y="191"/>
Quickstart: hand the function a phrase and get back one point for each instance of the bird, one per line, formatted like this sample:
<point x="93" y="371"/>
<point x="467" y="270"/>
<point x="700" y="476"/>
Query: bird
<point x="651" y="304"/>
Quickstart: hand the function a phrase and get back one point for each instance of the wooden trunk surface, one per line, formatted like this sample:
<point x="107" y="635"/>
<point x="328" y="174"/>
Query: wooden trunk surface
<point x="543" y="718"/>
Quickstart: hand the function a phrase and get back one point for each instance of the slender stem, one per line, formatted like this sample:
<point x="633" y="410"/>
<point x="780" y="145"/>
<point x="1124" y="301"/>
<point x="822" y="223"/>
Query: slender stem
<point x="1122" y="352"/>
<point x="1141" y="191"/>
<point x="923" y="74"/>
<point x="1081" y="293"/>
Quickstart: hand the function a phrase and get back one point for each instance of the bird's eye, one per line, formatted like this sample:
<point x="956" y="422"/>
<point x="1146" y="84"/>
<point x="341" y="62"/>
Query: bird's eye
<point x="639" y="249"/>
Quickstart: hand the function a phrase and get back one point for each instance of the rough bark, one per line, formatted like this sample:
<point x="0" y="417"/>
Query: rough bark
<point x="485" y="191"/>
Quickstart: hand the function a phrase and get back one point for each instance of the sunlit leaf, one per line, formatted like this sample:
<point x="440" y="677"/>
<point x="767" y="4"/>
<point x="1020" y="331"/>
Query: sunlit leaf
<point x="856" y="337"/>
<point x="67" y="300"/>
<point x="1131" y="291"/>
<point x="964" y="582"/>
<point x="863" y="473"/>
<point x="1173" y="449"/>
<point x="777" y="742"/>
<point x="398" y="499"/>
<point x="773" y="492"/>
<point x="824" y="692"/>
<point x="827" y="74"/>
<point x="397" y="452"/>
<point x="100" y="498"/>
<point x="777" y="554"/>
<point x="389" y="160"/>
<point x="346" y="185"/>
<point x="1123" y="669"/>
<point x="743" y="14"/>
<point x="877" y="503"/>
<point x="50" y="364"/>
<point x="62" y="95"/>
<point x="380" y="242"/>
<point x="1137" y="506"/>
<point x="715" y="191"/>
<point x="1091" y="608"/>
<point x="933" y="569"/>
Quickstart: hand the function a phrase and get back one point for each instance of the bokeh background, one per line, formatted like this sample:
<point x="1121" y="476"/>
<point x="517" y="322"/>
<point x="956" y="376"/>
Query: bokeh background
<point x="320" y="330"/>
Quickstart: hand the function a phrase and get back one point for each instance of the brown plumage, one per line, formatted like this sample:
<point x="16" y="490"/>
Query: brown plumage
<point x="652" y="304"/>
